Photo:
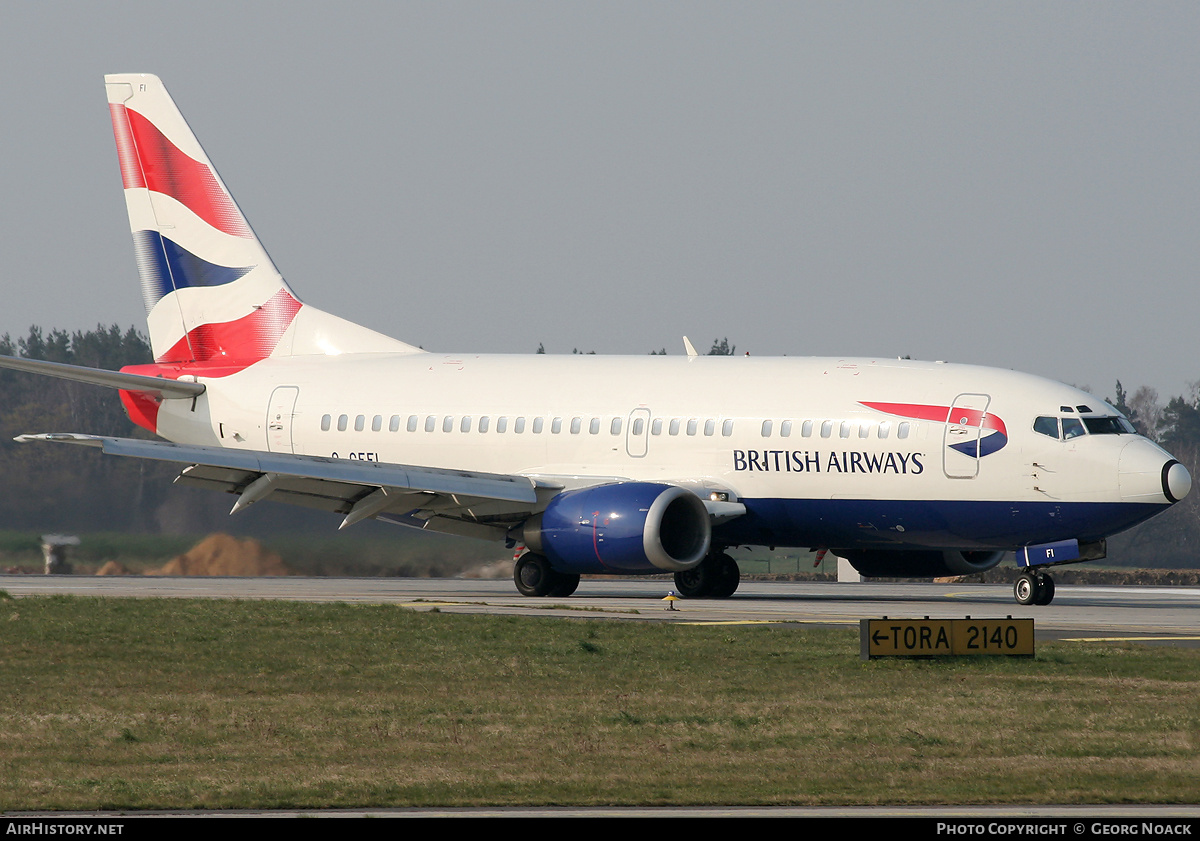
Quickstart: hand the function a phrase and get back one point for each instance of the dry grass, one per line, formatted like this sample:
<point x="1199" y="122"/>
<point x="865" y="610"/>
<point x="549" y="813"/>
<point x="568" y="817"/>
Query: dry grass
<point x="140" y="704"/>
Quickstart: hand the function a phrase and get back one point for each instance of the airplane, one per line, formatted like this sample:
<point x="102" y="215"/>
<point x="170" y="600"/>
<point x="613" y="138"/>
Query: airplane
<point x="593" y="464"/>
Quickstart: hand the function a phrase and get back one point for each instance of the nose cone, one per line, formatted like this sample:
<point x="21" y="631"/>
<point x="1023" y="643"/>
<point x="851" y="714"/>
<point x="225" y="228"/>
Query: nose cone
<point x="1149" y="474"/>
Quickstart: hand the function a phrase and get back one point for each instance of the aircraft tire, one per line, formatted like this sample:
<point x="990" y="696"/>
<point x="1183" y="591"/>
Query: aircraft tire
<point x="695" y="583"/>
<point x="728" y="576"/>
<point x="533" y="575"/>
<point x="565" y="585"/>
<point x="1045" y="589"/>
<point x="1026" y="589"/>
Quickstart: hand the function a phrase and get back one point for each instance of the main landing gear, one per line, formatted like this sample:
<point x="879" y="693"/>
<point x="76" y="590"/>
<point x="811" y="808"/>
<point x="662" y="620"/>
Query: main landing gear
<point x="535" y="577"/>
<point x="1034" y="588"/>
<point x="717" y="577"/>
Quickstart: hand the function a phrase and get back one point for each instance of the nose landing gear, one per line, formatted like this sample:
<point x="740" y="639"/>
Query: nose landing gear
<point x="1034" y="588"/>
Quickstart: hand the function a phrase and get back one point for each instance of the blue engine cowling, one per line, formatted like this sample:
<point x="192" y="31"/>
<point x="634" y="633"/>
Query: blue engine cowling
<point x="920" y="563"/>
<point x="628" y="528"/>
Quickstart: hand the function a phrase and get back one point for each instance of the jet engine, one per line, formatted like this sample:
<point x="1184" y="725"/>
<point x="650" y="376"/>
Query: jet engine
<point x="629" y="527"/>
<point x="920" y="563"/>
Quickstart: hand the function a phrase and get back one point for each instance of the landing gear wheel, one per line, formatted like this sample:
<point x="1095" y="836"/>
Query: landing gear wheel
<point x="565" y="585"/>
<point x="696" y="582"/>
<point x="1045" y="589"/>
<point x="1026" y="589"/>
<point x="727" y="578"/>
<point x="533" y="575"/>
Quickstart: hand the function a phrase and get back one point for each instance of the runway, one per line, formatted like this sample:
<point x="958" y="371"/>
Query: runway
<point x="1152" y="614"/>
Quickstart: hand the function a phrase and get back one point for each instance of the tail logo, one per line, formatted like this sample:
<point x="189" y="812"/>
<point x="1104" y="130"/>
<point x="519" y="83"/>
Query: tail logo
<point x="993" y="432"/>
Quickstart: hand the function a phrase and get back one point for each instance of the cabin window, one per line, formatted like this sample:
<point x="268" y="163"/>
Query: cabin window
<point x="656" y="427"/>
<point x="576" y="425"/>
<point x="448" y="423"/>
<point x="484" y="423"/>
<point x="326" y="422"/>
<point x="430" y="423"/>
<point x="692" y="425"/>
<point x="844" y="429"/>
<point x="727" y="427"/>
<point x="710" y="426"/>
<point x="902" y="430"/>
<point x="674" y="428"/>
<point x="766" y="429"/>
<point x="519" y="426"/>
<point x="785" y="429"/>
<point x="615" y="426"/>
<point x="360" y="423"/>
<point x="639" y="426"/>
<point x="826" y="429"/>
<point x="884" y="428"/>
<point x="556" y="426"/>
<point x="465" y="426"/>
<point x="412" y="423"/>
<point x="594" y="426"/>
<point x="864" y="430"/>
<point x="806" y="429"/>
<point x="394" y="424"/>
<point x="538" y="423"/>
<point x="502" y="424"/>
<point x="342" y="421"/>
<point x="377" y="423"/>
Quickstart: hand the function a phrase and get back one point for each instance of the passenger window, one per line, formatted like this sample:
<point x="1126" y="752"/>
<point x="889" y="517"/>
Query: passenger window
<point x="430" y="423"/>
<point x="501" y="424"/>
<point x="594" y="427"/>
<point x="766" y="429"/>
<point x="710" y="426"/>
<point x="1046" y="426"/>
<point x="884" y="428"/>
<point x="377" y="423"/>
<point x="692" y="425"/>
<point x="639" y="426"/>
<point x="674" y="429"/>
<point x="360" y="423"/>
<point x="785" y="429"/>
<point x="615" y="426"/>
<point x="519" y="426"/>
<point x="656" y="427"/>
<point x="342" y="421"/>
<point x="806" y="429"/>
<point x="902" y="430"/>
<point x="448" y="423"/>
<point x="538" y="423"/>
<point x="326" y="422"/>
<point x="844" y="429"/>
<point x="412" y="423"/>
<point x="864" y="430"/>
<point x="556" y="426"/>
<point x="826" y="429"/>
<point x="484" y="423"/>
<point x="465" y="426"/>
<point x="394" y="424"/>
<point x="727" y="428"/>
<point x="576" y="425"/>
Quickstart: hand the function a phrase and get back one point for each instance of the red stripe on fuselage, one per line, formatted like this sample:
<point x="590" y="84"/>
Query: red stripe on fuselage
<point x="941" y="414"/>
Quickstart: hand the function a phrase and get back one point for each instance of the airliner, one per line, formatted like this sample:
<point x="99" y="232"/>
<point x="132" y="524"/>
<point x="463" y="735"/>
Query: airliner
<point x="591" y="465"/>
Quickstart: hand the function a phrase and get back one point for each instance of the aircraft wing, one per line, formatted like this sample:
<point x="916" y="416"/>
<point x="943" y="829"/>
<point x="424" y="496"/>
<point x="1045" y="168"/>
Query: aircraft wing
<point x="462" y="502"/>
<point x="156" y="386"/>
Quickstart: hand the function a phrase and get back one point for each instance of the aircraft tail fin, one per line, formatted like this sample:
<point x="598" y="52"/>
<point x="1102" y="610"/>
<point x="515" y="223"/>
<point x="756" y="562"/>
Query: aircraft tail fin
<point x="211" y="292"/>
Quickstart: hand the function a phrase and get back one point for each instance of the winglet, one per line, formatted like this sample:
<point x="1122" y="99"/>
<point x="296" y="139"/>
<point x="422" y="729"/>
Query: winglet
<point x="687" y="346"/>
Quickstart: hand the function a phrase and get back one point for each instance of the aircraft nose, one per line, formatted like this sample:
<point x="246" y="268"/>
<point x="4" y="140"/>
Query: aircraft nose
<point x="1149" y="474"/>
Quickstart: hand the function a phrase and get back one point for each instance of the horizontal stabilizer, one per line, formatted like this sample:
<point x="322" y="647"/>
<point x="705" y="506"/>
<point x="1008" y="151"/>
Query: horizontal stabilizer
<point x="158" y="386"/>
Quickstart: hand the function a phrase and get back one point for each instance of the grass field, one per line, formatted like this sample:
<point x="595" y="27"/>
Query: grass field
<point x="127" y="704"/>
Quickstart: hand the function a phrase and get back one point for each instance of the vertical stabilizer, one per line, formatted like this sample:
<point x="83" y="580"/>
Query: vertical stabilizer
<point x="211" y="292"/>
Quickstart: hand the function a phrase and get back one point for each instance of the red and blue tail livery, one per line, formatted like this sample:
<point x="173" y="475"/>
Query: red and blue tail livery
<point x="592" y="464"/>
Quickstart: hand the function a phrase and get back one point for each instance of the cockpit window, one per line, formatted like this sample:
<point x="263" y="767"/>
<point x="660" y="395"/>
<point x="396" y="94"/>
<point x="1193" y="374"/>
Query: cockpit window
<point x="1046" y="426"/>
<point x="1110" y="425"/>
<point x="1072" y="428"/>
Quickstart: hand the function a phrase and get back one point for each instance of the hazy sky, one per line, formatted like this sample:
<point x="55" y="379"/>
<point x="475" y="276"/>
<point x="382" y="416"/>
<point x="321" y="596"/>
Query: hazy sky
<point x="1012" y="184"/>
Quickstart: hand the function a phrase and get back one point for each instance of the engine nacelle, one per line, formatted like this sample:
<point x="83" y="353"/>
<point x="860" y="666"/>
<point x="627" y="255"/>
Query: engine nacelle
<point x="920" y="563"/>
<point x="629" y="528"/>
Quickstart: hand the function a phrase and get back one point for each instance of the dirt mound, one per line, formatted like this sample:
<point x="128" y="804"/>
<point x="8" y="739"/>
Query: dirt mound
<point x="220" y="554"/>
<point x="114" y="568"/>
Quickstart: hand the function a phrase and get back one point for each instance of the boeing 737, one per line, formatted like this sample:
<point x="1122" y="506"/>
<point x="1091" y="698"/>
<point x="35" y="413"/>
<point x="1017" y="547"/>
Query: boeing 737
<point x="597" y="465"/>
